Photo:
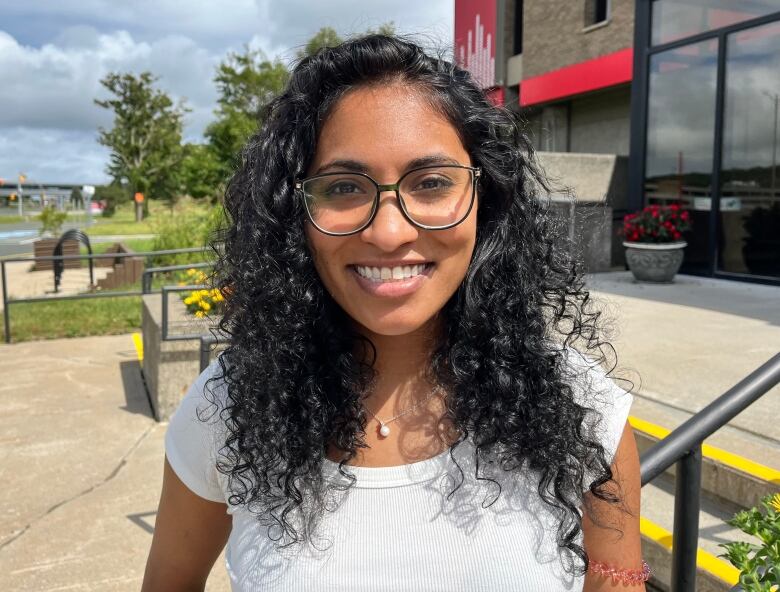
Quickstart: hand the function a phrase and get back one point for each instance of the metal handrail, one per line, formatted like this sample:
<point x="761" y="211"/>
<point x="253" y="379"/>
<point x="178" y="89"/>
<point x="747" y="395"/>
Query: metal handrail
<point x="683" y="446"/>
<point x="90" y="257"/>
<point x="146" y="276"/>
<point x="206" y="341"/>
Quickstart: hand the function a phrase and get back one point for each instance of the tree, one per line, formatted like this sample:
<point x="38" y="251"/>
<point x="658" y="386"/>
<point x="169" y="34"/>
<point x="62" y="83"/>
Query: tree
<point x="325" y="37"/>
<point x="111" y="195"/>
<point x="246" y="83"/>
<point x="201" y="173"/>
<point x="145" y="140"/>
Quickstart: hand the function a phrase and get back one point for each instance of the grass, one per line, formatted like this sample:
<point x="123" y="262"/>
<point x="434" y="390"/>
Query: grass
<point x="74" y="318"/>
<point x="99" y="316"/>
<point x="12" y="219"/>
<point x="123" y="221"/>
<point x="139" y="245"/>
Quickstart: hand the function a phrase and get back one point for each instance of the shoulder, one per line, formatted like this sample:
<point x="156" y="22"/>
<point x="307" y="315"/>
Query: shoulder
<point x="607" y="403"/>
<point x="196" y="432"/>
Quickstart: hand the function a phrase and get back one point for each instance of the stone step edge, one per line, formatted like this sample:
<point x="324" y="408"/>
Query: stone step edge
<point x="716" y="573"/>
<point x="726" y="475"/>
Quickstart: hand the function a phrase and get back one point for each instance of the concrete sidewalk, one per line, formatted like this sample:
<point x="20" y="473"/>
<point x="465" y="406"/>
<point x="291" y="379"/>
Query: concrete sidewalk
<point x="81" y="469"/>
<point x="685" y="344"/>
<point x="82" y="458"/>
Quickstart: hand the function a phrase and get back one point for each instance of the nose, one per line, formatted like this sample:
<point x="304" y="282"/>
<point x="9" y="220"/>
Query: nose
<point x="389" y="230"/>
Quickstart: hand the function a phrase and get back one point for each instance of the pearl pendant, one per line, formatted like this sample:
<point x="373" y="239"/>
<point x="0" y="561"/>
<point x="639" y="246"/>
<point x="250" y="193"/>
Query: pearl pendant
<point x="384" y="431"/>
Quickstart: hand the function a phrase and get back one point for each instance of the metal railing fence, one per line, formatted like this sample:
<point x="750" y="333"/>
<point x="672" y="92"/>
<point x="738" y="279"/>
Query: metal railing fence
<point x="146" y="278"/>
<point x="683" y="447"/>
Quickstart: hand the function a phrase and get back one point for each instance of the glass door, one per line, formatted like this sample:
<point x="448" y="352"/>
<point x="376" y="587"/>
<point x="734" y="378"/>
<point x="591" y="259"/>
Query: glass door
<point x="749" y="218"/>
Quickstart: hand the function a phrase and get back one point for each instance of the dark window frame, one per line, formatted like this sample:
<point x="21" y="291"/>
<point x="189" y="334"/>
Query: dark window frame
<point x="643" y="50"/>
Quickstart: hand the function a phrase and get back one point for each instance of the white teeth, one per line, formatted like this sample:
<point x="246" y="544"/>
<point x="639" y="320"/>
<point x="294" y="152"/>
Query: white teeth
<point x="387" y="273"/>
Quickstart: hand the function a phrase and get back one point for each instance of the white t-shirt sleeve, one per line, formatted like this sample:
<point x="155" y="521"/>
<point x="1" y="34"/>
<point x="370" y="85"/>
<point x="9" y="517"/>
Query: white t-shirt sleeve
<point x="595" y="390"/>
<point x="191" y="444"/>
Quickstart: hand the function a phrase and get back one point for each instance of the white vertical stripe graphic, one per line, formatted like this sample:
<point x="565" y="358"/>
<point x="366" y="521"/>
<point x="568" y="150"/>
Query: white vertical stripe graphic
<point x="476" y="56"/>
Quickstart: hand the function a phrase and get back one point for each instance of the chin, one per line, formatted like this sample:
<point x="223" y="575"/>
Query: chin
<point x="393" y="324"/>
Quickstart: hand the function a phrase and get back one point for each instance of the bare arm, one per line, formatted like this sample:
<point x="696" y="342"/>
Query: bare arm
<point x="621" y="549"/>
<point x="189" y="534"/>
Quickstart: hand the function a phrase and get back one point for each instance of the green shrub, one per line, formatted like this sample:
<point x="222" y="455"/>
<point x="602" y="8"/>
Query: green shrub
<point x="112" y="195"/>
<point x="759" y="565"/>
<point x="51" y="220"/>
<point x="191" y="229"/>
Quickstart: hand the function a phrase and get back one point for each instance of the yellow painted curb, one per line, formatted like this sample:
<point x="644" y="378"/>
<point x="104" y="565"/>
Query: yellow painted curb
<point x="717" y="454"/>
<point x="139" y="347"/>
<point x="704" y="560"/>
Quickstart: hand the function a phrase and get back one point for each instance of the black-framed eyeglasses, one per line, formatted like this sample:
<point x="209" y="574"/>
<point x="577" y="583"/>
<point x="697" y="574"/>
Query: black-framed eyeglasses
<point x="432" y="197"/>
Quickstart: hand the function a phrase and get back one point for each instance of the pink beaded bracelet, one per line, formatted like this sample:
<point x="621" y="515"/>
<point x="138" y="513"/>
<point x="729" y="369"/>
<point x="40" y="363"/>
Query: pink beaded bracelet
<point x="629" y="577"/>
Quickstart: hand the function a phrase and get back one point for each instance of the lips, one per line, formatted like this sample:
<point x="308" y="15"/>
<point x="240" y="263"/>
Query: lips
<point x="392" y="287"/>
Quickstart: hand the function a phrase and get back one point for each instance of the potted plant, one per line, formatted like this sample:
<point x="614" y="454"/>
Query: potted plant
<point x="653" y="241"/>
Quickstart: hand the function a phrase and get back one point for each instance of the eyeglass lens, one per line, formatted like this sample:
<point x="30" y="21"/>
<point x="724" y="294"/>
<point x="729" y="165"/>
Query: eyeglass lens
<point x="343" y="202"/>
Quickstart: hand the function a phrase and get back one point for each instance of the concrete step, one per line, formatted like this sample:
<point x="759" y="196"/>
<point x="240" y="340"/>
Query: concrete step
<point x="715" y="574"/>
<point x="730" y="470"/>
<point x="731" y="480"/>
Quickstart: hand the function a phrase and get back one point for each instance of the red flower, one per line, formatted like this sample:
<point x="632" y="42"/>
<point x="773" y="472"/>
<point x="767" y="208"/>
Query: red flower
<point x="684" y="215"/>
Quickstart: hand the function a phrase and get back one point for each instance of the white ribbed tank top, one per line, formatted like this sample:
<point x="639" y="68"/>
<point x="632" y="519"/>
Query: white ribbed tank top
<point x="396" y="529"/>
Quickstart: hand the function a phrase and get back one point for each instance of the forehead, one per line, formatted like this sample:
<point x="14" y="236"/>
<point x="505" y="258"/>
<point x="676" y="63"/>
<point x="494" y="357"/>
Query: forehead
<point x="385" y="127"/>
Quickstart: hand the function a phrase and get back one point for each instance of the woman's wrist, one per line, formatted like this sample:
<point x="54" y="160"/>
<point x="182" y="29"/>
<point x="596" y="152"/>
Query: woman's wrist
<point x="629" y="577"/>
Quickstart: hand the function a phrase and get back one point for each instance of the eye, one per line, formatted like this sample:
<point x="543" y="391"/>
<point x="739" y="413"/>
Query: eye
<point x="432" y="183"/>
<point x="343" y="188"/>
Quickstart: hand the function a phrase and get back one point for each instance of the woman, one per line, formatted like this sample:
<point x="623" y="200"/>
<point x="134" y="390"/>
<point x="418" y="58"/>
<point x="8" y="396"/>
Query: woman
<point x="400" y="407"/>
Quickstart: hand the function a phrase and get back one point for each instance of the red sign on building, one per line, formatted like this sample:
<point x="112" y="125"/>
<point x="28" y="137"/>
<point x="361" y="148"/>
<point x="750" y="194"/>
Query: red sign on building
<point x="475" y="39"/>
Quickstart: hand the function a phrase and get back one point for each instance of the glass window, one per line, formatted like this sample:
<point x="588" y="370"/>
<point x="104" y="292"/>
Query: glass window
<point x="596" y="11"/>
<point x="749" y="236"/>
<point x="677" y="19"/>
<point x="680" y="139"/>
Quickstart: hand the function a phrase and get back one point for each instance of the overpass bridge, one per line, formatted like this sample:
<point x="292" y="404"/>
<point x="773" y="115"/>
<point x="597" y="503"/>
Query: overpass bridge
<point x="38" y="194"/>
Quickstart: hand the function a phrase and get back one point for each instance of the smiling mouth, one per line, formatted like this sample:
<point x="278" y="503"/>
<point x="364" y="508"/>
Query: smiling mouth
<point x="392" y="274"/>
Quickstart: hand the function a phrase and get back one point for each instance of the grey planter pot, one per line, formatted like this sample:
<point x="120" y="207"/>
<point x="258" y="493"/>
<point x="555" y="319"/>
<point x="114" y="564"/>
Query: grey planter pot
<point x="656" y="263"/>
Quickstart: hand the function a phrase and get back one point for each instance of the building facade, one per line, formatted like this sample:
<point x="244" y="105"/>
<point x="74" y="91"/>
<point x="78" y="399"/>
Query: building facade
<point x="683" y="93"/>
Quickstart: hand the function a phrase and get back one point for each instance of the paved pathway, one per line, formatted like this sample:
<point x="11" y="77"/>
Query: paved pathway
<point x="81" y="467"/>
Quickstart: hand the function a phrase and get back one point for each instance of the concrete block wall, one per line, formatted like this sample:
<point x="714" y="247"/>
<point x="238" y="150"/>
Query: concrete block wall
<point x="555" y="35"/>
<point x="169" y="367"/>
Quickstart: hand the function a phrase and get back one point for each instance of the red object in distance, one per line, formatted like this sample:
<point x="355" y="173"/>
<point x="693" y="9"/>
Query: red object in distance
<point x="602" y="72"/>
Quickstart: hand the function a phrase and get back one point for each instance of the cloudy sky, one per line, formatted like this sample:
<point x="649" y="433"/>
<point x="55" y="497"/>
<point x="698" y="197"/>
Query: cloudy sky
<point x="53" y="54"/>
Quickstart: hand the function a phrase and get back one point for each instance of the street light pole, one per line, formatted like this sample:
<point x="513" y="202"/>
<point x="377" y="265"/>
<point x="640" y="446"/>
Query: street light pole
<point x="19" y="193"/>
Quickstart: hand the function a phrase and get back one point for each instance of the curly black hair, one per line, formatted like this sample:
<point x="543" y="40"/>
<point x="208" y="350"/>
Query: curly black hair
<point x="295" y="379"/>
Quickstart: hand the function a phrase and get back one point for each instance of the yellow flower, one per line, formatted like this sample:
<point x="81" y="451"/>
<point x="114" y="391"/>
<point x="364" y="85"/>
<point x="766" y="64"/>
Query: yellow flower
<point x="217" y="296"/>
<point x="204" y="292"/>
<point x="205" y="305"/>
<point x="200" y="314"/>
<point x="189" y="300"/>
<point x="191" y="271"/>
<point x="775" y="502"/>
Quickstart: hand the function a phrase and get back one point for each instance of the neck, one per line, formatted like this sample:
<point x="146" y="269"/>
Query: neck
<point x="402" y="388"/>
<point x="401" y="367"/>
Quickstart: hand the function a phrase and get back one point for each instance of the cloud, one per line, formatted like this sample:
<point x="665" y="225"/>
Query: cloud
<point x="53" y="55"/>
<point x="51" y="155"/>
<point x="54" y="86"/>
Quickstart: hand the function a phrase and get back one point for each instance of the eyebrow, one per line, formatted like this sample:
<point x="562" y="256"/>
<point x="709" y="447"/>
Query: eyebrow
<point x="361" y="167"/>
